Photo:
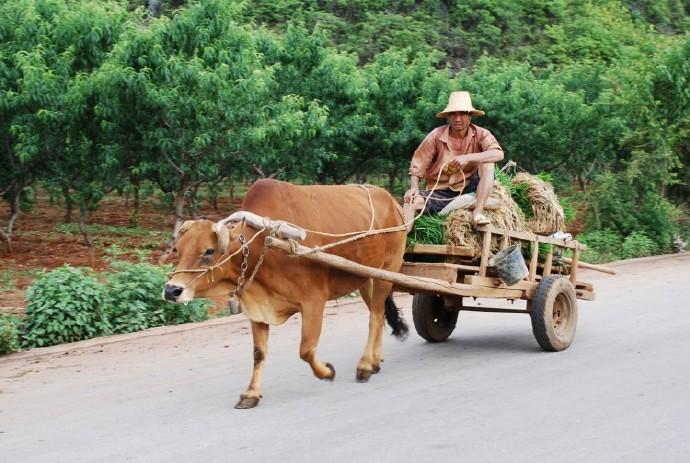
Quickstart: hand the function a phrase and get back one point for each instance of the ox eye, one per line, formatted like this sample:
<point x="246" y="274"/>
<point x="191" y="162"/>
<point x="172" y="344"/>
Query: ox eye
<point x="209" y="252"/>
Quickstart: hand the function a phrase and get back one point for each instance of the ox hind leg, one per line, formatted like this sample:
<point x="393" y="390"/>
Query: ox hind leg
<point x="312" y="321"/>
<point x="251" y="396"/>
<point x="374" y="294"/>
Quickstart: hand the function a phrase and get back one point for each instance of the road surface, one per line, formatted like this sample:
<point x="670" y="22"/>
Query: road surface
<point x="489" y="394"/>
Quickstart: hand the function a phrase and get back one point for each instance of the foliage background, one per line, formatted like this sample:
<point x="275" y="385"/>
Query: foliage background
<point x="185" y="98"/>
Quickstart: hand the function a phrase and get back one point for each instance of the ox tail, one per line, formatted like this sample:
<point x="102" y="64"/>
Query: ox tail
<point x="395" y="320"/>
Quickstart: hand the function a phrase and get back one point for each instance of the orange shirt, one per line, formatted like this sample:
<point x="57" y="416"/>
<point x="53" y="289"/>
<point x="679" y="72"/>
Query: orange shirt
<point x="436" y="150"/>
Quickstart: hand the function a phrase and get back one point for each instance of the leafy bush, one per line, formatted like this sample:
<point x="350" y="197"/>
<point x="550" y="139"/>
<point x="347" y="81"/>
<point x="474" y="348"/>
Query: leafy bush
<point x="603" y="246"/>
<point x="64" y="305"/>
<point x="134" y="301"/>
<point x="9" y="334"/>
<point x="638" y="244"/>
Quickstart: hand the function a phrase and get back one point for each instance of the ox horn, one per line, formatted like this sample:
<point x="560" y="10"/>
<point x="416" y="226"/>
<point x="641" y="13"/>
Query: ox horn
<point x="223" y="235"/>
<point x="186" y="225"/>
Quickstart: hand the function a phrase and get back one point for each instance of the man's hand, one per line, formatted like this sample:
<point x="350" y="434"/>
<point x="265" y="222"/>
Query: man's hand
<point x="457" y="164"/>
<point x="411" y="194"/>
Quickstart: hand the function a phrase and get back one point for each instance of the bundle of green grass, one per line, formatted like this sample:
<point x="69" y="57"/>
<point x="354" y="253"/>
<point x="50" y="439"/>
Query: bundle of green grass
<point x="521" y="203"/>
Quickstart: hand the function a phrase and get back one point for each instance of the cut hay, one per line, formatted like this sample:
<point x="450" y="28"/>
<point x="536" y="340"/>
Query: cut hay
<point x="460" y="230"/>
<point x="547" y="215"/>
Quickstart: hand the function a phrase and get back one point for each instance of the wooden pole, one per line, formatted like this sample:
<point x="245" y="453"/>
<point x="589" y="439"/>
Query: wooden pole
<point x="534" y="259"/>
<point x="548" y="262"/>
<point x="598" y="268"/>
<point x="420" y="284"/>
<point x="486" y="250"/>
<point x="573" y="265"/>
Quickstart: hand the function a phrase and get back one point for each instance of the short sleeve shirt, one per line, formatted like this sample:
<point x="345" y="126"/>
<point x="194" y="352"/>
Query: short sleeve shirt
<point x="435" y="151"/>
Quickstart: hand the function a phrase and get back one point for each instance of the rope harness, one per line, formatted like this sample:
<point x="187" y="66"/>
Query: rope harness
<point x="273" y="228"/>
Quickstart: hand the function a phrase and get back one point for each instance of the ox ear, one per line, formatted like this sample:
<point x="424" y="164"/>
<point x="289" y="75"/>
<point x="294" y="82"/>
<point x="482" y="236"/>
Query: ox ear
<point x="223" y="235"/>
<point x="186" y="225"/>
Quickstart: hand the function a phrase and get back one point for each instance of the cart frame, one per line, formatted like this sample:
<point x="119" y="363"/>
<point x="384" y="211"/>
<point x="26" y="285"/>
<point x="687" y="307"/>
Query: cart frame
<point x="439" y="287"/>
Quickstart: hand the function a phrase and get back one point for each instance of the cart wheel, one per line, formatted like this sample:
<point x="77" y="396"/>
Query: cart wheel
<point x="432" y="320"/>
<point x="553" y="311"/>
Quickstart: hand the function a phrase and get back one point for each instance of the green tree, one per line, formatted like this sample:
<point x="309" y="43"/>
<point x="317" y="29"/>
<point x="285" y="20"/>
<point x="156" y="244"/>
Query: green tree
<point x="47" y="44"/>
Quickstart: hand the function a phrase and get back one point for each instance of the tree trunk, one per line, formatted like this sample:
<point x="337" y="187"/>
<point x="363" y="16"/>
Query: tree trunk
<point x="154" y="8"/>
<point x="82" y="226"/>
<point x="134" y="215"/>
<point x="179" y="203"/>
<point x="193" y="203"/>
<point x="7" y="240"/>
<point x="14" y="211"/>
<point x="213" y="194"/>
<point x="392" y="177"/>
<point x="69" y="204"/>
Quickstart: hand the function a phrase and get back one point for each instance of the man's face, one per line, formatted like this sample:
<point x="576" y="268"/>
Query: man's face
<point x="459" y="121"/>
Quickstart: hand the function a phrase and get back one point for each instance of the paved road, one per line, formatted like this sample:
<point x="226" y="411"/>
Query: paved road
<point x="620" y="393"/>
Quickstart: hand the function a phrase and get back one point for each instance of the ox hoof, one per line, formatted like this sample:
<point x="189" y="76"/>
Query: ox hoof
<point x="363" y="375"/>
<point x="331" y="376"/>
<point x="247" y="402"/>
<point x="375" y="369"/>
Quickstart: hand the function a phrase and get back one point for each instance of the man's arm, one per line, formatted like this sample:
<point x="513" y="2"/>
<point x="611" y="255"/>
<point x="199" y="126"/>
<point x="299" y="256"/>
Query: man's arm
<point x="413" y="191"/>
<point x="463" y="160"/>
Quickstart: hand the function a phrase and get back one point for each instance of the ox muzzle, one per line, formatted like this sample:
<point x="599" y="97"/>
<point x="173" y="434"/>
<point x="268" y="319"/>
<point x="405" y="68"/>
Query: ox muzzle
<point x="172" y="292"/>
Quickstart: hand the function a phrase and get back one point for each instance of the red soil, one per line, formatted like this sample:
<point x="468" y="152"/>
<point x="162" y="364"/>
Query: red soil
<point x="38" y="245"/>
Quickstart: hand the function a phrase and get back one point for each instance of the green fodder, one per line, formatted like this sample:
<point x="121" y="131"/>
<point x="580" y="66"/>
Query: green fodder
<point x="537" y="198"/>
<point x="429" y="229"/>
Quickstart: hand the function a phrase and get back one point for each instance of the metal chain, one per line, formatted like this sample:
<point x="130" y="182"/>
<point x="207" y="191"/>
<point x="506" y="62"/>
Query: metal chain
<point x="243" y="266"/>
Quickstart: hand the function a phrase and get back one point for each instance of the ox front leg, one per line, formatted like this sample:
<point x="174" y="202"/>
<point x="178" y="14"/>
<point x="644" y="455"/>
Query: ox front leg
<point x="374" y="294"/>
<point x="312" y="320"/>
<point x="250" y="397"/>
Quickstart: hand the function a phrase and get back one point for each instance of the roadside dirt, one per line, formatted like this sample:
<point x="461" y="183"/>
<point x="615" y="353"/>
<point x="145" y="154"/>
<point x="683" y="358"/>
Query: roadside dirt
<point x="41" y="241"/>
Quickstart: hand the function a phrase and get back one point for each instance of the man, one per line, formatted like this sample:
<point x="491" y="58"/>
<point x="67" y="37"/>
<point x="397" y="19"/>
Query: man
<point x="459" y="155"/>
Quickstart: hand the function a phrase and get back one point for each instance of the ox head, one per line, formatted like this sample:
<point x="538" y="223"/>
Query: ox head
<point x="200" y="244"/>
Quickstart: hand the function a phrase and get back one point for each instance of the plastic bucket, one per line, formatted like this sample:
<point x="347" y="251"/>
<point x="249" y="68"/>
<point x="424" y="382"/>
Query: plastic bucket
<point x="509" y="265"/>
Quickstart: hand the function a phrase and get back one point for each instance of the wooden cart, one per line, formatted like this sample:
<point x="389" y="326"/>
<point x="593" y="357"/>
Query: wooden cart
<point x="440" y="276"/>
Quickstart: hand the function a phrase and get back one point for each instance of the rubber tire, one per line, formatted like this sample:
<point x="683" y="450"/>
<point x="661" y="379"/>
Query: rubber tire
<point x="432" y="320"/>
<point x="555" y="294"/>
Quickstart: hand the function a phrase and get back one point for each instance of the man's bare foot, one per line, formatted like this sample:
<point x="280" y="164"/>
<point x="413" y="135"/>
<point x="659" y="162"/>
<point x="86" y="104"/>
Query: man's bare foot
<point x="480" y="219"/>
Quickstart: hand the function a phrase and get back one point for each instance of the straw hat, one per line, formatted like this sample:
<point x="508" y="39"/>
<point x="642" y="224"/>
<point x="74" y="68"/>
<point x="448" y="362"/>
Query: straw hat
<point x="460" y="101"/>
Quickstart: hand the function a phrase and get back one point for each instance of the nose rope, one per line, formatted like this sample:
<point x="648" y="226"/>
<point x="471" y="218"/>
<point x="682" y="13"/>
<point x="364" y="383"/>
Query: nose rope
<point x="217" y="265"/>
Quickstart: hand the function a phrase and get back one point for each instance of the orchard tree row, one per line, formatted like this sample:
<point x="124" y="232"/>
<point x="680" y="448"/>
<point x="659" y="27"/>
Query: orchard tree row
<point x="99" y="96"/>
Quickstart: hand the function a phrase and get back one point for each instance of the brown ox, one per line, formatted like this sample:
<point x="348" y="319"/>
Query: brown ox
<point x="285" y="285"/>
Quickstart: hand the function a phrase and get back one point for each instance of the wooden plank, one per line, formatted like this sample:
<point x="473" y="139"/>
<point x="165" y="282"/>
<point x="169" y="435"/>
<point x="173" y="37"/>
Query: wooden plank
<point x="491" y="309"/>
<point x="583" y="285"/>
<point x="578" y="285"/>
<point x="439" y="249"/>
<point x="528" y="236"/>
<point x="583" y="294"/>
<point x="445" y="272"/>
<point x="548" y="262"/>
<point x="486" y="250"/>
<point x="534" y="260"/>
<point x="418" y="284"/>
<point x="573" y="266"/>
<point x="492" y="282"/>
